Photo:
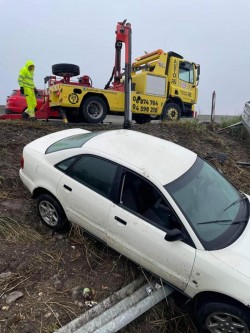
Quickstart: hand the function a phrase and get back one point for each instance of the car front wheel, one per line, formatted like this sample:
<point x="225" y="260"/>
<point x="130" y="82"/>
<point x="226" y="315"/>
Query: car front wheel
<point x="51" y="212"/>
<point x="216" y="317"/>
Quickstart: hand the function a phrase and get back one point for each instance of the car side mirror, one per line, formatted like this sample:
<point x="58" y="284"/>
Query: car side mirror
<point x="173" y="235"/>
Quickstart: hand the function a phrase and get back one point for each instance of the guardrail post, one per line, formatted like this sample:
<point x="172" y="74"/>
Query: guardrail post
<point x="213" y="106"/>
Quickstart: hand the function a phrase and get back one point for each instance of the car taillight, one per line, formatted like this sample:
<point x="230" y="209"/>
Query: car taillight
<point x="22" y="162"/>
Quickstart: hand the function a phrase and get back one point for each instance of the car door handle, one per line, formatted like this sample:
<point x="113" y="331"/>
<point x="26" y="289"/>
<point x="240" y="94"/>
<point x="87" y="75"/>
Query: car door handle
<point x="67" y="187"/>
<point x="120" y="220"/>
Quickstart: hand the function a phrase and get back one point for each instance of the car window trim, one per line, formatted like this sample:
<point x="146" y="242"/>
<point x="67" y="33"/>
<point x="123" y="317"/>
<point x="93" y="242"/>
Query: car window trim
<point x="122" y="187"/>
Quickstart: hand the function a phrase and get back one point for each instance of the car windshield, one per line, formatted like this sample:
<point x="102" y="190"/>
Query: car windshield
<point x="215" y="209"/>
<point x="74" y="141"/>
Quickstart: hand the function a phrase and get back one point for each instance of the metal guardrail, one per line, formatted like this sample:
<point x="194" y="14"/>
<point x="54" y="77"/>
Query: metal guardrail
<point x="119" y="309"/>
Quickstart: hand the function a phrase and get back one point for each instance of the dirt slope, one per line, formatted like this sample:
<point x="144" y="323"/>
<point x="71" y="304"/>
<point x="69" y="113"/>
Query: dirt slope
<point x="50" y="270"/>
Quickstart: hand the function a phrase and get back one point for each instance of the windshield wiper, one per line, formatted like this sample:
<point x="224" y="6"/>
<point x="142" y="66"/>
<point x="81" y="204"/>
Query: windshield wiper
<point x="222" y="221"/>
<point x="235" y="202"/>
<point x="215" y="221"/>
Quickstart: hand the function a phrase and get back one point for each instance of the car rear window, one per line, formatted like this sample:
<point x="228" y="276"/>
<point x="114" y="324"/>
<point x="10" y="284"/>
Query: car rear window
<point x="74" y="141"/>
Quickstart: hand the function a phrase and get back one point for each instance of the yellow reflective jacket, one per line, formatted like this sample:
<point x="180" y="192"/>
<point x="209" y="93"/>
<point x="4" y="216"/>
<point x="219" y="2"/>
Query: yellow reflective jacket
<point x="25" y="78"/>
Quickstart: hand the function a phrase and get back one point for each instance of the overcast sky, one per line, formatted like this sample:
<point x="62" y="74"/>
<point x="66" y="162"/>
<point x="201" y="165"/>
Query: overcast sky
<point x="213" y="33"/>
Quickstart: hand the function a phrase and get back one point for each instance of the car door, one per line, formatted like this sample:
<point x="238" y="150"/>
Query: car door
<point x="84" y="192"/>
<point x="138" y="224"/>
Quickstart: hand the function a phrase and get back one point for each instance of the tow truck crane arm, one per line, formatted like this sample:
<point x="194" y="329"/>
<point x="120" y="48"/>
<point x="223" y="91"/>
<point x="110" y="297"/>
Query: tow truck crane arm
<point x="123" y="35"/>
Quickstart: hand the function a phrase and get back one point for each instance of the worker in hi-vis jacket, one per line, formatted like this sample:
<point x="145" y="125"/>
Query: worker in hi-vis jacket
<point x="27" y="88"/>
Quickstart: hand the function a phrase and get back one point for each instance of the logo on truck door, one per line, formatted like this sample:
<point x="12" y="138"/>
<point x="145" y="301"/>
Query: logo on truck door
<point x="73" y="98"/>
<point x="174" y="78"/>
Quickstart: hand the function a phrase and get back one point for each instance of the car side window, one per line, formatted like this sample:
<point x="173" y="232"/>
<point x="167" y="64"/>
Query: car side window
<point x="142" y="198"/>
<point x="96" y="173"/>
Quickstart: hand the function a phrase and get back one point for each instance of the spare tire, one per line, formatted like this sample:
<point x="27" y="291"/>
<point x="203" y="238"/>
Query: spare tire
<point x="65" y="70"/>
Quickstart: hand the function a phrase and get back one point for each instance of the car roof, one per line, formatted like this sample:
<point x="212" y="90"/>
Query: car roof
<point x="146" y="154"/>
<point x="162" y="159"/>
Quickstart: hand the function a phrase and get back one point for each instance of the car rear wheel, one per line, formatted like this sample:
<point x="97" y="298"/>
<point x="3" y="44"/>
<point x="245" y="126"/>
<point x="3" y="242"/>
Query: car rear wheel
<point x="51" y="212"/>
<point x="216" y="317"/>
<point x="65" y="70"/>
<point x="94" y="110"/>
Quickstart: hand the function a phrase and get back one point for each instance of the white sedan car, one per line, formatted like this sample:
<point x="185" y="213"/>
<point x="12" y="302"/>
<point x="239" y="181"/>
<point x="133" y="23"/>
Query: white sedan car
<point x="158" y="204"/>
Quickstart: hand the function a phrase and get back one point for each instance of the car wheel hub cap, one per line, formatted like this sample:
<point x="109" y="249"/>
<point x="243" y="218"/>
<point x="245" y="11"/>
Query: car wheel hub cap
<point x="48" y="213"/>
<point x="95" y="110"/>
<point x="225" y="323"/>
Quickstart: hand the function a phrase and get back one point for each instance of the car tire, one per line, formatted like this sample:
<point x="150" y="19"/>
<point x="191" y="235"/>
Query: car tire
<point x="94" y="110"/>
<point x="65" y="70"/>
<point x="74" y="116"/>
<point x="141" y="118"/>
<point x="171" y="112"/>
<point x="216" y="317"/>
<point x="51" y="212"/>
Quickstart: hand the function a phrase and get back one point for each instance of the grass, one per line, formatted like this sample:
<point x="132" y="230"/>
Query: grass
<point x="192" y="124"/>
<point x="52" y="258"/>
<point x="237" y="132"/>
<point x="16" y="232"/>
<point x="11" y="283"/>
<point x="5" y="184"/>
<point x="230" y="121"/>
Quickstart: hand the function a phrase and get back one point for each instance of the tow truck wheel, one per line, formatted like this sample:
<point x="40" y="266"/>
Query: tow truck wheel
<point x="94" y="110"/>
<point x="74" y="116"/>
<point x="171" y="111"/>
<point x="141" y="118"/>
<point x="65" y="70"/>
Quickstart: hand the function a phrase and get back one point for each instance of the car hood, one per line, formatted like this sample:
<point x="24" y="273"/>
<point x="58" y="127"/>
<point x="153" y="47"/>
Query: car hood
<point x="40" y="145"/>
<point x="237" y="255"/>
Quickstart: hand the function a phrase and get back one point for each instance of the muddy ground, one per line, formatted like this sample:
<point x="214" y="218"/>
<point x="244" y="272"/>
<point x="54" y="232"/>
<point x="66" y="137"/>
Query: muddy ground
<point x="50" y="270"/>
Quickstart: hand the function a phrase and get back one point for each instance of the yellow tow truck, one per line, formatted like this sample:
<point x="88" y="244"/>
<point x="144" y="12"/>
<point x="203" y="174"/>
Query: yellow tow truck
<point x="156" y="85"/>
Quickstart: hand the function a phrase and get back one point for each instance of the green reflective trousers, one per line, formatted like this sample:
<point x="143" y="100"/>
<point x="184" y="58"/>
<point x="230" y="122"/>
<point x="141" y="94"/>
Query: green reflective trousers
<point x="31" y="101"/>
